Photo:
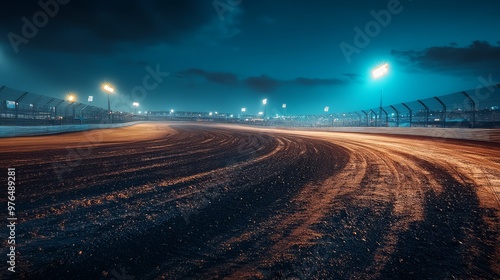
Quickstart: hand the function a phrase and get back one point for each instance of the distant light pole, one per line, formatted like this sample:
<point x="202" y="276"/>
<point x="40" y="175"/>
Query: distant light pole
<point x="377" y="73"/>
<point x="90" y="99"/>
<point x="264" y="101"/>
<point x="135" y="104"/>
<point x="326" y="109"/>
<point x="71" y="98"/>
<point x="109" y="90"/>
<point x="284" y="109"/>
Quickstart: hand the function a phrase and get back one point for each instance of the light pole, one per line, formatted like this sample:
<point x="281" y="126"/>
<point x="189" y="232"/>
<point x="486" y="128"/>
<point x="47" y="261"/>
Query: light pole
<point x="243" y="110"/>
<point x="264" y="101"/>
<point x="71" y="99"/>
<point x="326" y="109"/>
<point x="109" y="90"/>
<point x="135" y="104"/>
<point x="377" y="73"/>
<point x="81" y="111"/>
<point x="284" y="109"/>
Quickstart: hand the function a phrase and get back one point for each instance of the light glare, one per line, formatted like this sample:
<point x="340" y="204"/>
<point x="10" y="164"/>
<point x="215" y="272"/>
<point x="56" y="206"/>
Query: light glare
<point x="108" y="88"/>
<point x="380" y="71"/>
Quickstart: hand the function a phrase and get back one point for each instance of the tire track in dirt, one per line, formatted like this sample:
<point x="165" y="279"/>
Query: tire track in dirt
<point x="216" y="201"/>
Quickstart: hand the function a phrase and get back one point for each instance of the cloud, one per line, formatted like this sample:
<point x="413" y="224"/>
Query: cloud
<point x="214" y="77"/>
<point x="353" y="77"/>
<point x="105" y="26"/>
<point x="318" y="82"/>
<point x="479" y="57"/>
<point x="265" y="20"/>
<point x="262" y="83"/>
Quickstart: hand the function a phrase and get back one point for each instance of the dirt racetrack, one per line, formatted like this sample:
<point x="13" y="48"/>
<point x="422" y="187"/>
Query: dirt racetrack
<point x="208" y="201"/>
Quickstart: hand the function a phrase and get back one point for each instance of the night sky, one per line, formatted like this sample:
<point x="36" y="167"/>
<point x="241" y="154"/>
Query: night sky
<point x="204" y="55"/>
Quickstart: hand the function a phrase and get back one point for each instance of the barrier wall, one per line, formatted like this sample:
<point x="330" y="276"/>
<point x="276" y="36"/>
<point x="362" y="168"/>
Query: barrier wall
<point x="14" y="131"/>
<point x="489" y="135"/>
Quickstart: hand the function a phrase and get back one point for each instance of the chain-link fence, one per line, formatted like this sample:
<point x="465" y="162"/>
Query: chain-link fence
<point x="24" y="108"/>
<point x="479" y="108"/>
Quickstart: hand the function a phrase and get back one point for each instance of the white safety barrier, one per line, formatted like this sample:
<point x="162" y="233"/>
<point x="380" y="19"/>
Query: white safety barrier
<point x="14" y="131"/>
<point x="489" y="135"/>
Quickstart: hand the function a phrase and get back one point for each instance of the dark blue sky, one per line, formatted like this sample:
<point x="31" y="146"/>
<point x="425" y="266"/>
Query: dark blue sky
<point x="227" y="54"/>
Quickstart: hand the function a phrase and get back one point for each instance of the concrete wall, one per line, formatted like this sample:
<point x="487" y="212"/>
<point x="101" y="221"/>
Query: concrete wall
<point x="13" y="131"/>
<point x="490" y="135"/>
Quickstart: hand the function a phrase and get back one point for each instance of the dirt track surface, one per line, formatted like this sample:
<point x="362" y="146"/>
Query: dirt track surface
<point x="192" y="201"/>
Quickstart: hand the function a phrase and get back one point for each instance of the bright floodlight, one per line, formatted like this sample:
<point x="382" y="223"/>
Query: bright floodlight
<point x="136" y="104"/>
<point x="90" y="99"/>
<point x="243" y="109"/>
<point x="261" y="113"/>
<point x="380" y="71"/>
<point x="171" y="111"/>
<point x="71" y="97"/>
<point x="327" y="109"/>
<point x="108" y="88"/>
<point x="284" y="106"/>
<point x="264" y="101"/>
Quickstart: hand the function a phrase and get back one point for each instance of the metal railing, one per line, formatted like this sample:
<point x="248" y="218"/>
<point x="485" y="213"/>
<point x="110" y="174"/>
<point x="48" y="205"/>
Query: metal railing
<point x="26" y="109"/>
<point x="478" y="108"/>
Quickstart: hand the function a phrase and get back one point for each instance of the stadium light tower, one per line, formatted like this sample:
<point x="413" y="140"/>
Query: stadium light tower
<point x="380" y="71"/>
<point x="264" y="101"/>
<point x="107" y="88"/>
<point x="135" y="104"/>
<point x="89" y="99"/>
<point x="377" y="73"/>
<point x="71" y="99"/>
